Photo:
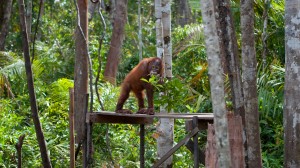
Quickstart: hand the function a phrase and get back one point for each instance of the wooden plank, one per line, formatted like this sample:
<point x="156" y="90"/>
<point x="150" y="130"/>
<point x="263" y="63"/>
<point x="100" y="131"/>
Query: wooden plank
<point x="202" y="124"/>
<point x="112" y="117"/>
<point x="117" y="118"/>
<point x="142" y="146"/>
<point x="71" y="127"/>
<point x="190" y="146"/>
<point x="196" y="154"/>
<point x="176" y="147"/>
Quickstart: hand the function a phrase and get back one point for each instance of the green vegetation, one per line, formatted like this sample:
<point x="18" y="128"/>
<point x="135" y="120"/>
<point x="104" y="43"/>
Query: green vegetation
<point x="53" y="69"/>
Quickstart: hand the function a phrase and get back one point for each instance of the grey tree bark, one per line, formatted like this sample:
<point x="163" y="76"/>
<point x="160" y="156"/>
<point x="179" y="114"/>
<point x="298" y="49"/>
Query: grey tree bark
<point x="158" y="27"/>
<point x="165" y="127"/>
<point x="231" y="58"/>
<point x="249" y="85"/>
<point x="5" y="14"/>
<point x="29" y="18"/>
<point x="265" y="33"/>
<point x="183" y="12"/>
<point x="215" y="71"/>
<point x="118" y="35"/>
<point x="140" y="31"/>
<point x="291" y="116"/>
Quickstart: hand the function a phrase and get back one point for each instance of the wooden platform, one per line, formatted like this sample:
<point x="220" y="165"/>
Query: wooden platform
<point x="112" y="117"/>
<point x="194" y="123"/>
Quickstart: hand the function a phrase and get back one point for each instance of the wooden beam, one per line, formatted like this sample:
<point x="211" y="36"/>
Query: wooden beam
<point x="112" y="117"/>
<point x="195" y="137"/>
<point x="142" y="146"/>
<point x="117" y="118"/>
<point x="176" y="147"/>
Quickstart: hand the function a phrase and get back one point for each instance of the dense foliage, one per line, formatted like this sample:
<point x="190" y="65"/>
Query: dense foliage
<point x="116" y="144"/>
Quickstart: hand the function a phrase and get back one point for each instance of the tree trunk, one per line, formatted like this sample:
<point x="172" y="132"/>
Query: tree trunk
<point x="183" y="12"/>
<point x="42" y="11"/>
<point x="116" y="43"/>
<point x="291" y="117"/>
<point x="158" y="26"/>
<point x="165" y="128"/>
<point x="231" y="55"/>
<point x="29" y="18"/>
<point x="249" y="85"/>
<point x="140" y="31"/>
<point x="215" y="72"/>
<point x="232" y="62"/>
<point x="81" y="70"/>
<point x="5" y="14"/>
<point x="19" y="150"/>
<point x="264" y="33"/>
<point x="33" y="104"/>
<point x="92" y="8"/>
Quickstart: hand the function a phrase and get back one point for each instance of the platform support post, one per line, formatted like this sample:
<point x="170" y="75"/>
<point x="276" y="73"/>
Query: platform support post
<point x="196" y="151"/>
<point x="142" y="145"/>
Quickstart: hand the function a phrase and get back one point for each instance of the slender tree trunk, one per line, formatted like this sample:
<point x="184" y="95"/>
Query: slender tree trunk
<point x="184" y="14"/>
<point x="249" y="85"/>
<point x="116" y="43"/>
<point x="215" y="71"/>
<point x="291" y="116"/>
<point x="39" y="31"/>
<point x="19" y="150"/>
<point x="81" y="70"/>
<point x="92" y="8"/>
<point x="33" y="104"/>
<point x="264" y="33"/>
<point x="5" y="14"/>
<point x="140" y="31"/>
<point x="39" y="18"/>
<point x="158" y="26"/>
<point x="231" y="55"/>
<point x="165" y="128"/>
<point x="232" y="62"/>
<point x="29" y="18"/>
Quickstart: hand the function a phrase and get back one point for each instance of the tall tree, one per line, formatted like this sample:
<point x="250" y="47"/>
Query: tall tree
<point x="118" y="35"/>
<point x="229" y="52"/>
<point x="5" y="13"/>
<point x="183" y="12"/>
<point x="30" y="83"/>
<point x="81" y="70"/>
<point x="249" y="85"/>
<point x="29" y="18"/>
<point x="165" y="128"/>
<point x="158" y="27"/>
<point x="215" y="70"/>
<point x="291" y="88"/>
<point x="264" y="35"/>
<point x="140" y="31"/>
<point x="231" y="56"/>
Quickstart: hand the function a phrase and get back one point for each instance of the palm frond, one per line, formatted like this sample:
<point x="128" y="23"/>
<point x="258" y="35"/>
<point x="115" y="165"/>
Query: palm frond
<point x="6" y="58"/>
<point x="194" y="34"/>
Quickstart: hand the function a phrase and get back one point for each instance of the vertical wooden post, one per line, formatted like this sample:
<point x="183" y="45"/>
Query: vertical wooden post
<point x="89" y="140"/>
<point x="85" y="142"/>
<point x="196" y="151"/>
<point x="142" y="146"/>
<point x="71" y="126"/>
